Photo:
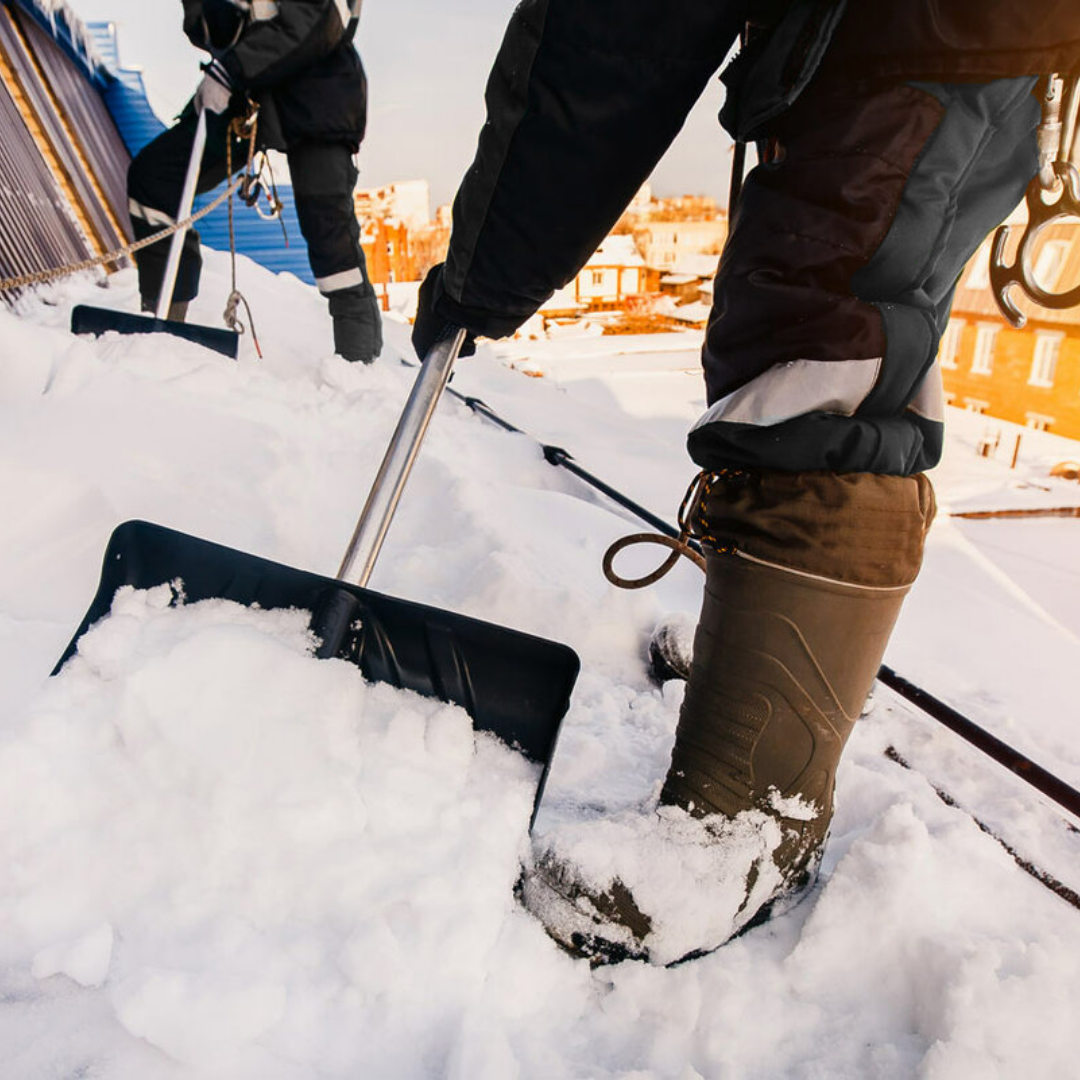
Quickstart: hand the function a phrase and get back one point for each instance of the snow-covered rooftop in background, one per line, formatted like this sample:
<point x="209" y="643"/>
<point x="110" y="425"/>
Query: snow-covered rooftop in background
<point x="696" y="266"/>
<point x="616" y="250"/>
<point x="226" y="859"/>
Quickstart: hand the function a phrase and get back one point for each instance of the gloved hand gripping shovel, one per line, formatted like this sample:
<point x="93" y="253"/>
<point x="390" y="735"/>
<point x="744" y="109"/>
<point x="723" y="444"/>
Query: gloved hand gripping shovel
<point x="95" y="320"/>
<point x="513" y="685"/>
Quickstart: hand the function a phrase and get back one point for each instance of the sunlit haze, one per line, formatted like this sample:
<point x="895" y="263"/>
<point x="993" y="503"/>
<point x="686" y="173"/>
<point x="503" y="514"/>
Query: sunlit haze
<point x="427" y="64"/>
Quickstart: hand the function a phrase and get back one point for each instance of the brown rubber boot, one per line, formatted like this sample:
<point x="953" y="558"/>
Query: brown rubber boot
<point x="806" y="574"/>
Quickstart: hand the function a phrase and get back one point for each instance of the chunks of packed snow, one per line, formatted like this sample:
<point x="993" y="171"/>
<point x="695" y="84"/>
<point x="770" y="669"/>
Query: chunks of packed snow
<point x="225" y="859"/>
<point x="239" y="835"/>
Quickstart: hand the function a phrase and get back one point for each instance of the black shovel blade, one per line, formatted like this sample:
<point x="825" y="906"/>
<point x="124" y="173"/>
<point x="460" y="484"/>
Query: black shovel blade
<point x="513" y="685"/>
<point x="97" y="321"/>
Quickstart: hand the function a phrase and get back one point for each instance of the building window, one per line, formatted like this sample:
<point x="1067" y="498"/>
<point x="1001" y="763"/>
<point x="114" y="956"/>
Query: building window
<point x="983" y="362"/>
<point x="598" y="277"/>
<point x="1050" y="263"/>
<point x="979" y="277"/>
<point x="1038" y="422"/>
<point x="1044" y="361"/>
<point x="950" y="343"/>
<point x="975" y="405"/>
<point x="950" y="398"/>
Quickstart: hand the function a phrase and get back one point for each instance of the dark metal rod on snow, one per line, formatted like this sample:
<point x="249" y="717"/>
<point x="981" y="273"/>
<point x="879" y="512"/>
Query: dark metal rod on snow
<point x="1050" y="785"/>
<point x="378" y="512"/>
<point x="187" y="200"/>
<point x="556" y="455"/>
<point x="1038" y="777"/>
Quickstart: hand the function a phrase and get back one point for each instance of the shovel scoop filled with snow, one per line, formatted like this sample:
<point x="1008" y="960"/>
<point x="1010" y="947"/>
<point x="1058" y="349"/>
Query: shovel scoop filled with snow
<point x="513" y="685"/>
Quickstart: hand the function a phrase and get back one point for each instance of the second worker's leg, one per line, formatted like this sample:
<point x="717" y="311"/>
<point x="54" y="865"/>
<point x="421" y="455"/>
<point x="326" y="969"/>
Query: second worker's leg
<point x="155" y="183"/>
<point x="324" y="178"/>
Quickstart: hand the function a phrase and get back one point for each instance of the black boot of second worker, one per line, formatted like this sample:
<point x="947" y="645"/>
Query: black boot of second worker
<point x="324" y="177"/>
<point x="357" y="324"/>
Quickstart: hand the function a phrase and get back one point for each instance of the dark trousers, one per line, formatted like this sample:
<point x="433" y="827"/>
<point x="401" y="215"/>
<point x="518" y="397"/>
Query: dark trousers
<point x="323" y="177"/>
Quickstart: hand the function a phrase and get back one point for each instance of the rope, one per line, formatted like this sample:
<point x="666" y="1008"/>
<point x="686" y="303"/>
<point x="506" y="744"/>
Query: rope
<point x="680" y="545"/>
<point x="692" y="527"/>
<point x="240" y="127"/>
<point x="1046" y="782"/>
<point x="39" y="277"/>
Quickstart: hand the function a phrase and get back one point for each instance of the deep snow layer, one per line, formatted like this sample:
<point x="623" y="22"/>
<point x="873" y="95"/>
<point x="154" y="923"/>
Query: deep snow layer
<point x="226" y="859"/>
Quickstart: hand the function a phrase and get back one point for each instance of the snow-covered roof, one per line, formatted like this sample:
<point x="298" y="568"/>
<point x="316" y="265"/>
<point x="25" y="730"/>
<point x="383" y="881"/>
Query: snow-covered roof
<point x="694" y="265"/>
<point x="616" y="251"/>
<point x="69" y="31"/>
<point x="692" y="313"/>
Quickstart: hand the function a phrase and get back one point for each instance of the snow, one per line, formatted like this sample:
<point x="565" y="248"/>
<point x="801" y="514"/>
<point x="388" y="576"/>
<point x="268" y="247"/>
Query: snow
<point x="226" y="859"/>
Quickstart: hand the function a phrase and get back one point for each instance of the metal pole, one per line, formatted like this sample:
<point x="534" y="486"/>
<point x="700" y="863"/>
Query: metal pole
<point x="378" y="512"/>
<point x="1046" y="782"/>
<point x="187" y="199"/>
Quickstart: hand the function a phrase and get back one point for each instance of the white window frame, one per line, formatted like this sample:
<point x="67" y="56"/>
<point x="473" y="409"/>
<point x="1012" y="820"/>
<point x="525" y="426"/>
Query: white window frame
<point x="1038" y="422"/>
<point x="950" y="343"/>
<point x="982" y="361"/>
<point x="1050" y="264"/>
<point x="1044" y="359"/>
<point x="979" y="275"/>
<point x="975" y="405"/>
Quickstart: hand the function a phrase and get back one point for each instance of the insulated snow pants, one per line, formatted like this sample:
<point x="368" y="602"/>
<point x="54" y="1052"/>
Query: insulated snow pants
<point x="323" y="177"/>
<point x="838" y="276"/>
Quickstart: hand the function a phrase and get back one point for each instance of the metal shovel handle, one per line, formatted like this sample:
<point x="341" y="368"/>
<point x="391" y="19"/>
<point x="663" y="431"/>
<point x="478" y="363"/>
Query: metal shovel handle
<point x="367" y="540"/>
<point x="187" y="200"/>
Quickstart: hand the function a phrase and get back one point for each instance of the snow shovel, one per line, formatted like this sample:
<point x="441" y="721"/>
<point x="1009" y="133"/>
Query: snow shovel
<point x="512" y="684"/>
<point x="97" y="321"/>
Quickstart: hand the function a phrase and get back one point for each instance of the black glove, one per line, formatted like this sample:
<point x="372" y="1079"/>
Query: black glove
<point x="436" y="316"/>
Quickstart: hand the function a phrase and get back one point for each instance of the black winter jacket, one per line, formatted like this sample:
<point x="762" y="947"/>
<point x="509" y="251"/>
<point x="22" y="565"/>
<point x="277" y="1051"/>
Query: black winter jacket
<point x="586" y="95"/>
<point x="299" y="64"/>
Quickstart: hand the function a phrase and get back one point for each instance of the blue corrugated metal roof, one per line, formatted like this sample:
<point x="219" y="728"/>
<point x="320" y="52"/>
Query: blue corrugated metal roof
<point x="125" y="97"/>
<point x="258" y="239"/>
<point x="125" y="94"/>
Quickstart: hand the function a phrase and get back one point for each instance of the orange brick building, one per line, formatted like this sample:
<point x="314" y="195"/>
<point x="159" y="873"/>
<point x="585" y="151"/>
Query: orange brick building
<point x="1029" y="376"/>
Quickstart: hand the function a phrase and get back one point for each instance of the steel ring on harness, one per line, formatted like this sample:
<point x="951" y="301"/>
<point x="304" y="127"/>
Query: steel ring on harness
<point x="679" y="549"/>
<point x="1022" y="271"/>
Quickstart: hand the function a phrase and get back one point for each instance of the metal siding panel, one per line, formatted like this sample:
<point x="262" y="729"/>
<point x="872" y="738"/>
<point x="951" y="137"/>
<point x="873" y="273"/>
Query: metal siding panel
<point x="260" y="240"/>
<point x="46" y="115"/>
<point x="88" y="117"/>
<point x="37" y="230"/>
<point x="124" y="93"/>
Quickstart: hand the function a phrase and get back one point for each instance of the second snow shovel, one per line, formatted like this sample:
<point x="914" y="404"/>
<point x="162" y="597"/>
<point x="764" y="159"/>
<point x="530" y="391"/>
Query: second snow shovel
<point x="513" y="685"/>
<point x="96" y="321"/>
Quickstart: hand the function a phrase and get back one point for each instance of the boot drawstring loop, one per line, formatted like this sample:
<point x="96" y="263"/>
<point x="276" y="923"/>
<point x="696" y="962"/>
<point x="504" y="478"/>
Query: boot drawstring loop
<point x="693" y="526"/>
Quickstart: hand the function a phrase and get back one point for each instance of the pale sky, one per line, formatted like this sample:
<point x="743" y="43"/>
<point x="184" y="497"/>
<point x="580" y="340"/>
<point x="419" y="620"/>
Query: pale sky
<point x="427" y="63"/>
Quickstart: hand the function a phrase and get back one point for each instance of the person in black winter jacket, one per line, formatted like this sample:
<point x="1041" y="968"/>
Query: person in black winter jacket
<point x="893" y="136"/>
<point x="296" y="60"/>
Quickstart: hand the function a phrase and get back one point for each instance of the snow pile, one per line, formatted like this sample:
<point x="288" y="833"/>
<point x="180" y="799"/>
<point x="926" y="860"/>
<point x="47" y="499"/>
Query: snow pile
<point x="226" y="859"/>
<point x="248" y="848"/>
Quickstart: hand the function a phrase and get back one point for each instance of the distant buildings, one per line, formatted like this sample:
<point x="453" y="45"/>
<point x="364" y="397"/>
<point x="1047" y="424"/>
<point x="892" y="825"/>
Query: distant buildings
<point x="651" y="273"/>
<point x="1029" y="376"/>
<point x="655" y="272"/>
<point x="613" y="273"/>
<point x="400" y="241"/>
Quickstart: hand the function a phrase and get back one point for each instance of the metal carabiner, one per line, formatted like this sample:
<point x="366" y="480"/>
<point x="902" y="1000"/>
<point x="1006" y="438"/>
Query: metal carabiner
<point x="1053" y="194"/>
<point x="1022" y="272"/>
